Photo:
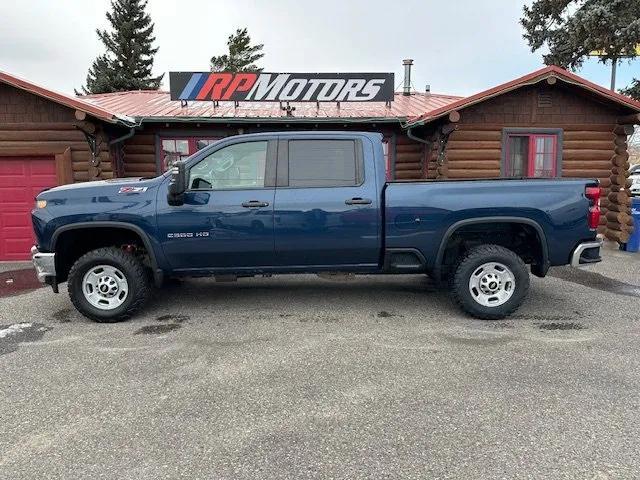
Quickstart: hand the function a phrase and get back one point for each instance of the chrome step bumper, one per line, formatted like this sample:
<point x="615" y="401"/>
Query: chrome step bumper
<point x="586" y="253"/>
<point x="44" y="263"/>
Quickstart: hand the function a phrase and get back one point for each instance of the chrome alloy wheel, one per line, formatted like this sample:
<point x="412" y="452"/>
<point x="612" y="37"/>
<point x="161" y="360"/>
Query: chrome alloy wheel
<point x="105" y="287"/>
<point x="492" y="284"/>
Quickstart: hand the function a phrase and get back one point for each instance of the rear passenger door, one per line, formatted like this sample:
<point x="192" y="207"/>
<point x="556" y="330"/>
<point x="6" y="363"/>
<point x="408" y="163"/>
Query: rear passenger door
<point x="326" y="203"/>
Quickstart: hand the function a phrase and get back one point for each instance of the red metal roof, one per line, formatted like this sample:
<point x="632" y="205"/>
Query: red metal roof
<point x="145" y="105"/>
<point x="417" y="108"/>
<point x="66" y="100"/>
<point x="530" y="79"/>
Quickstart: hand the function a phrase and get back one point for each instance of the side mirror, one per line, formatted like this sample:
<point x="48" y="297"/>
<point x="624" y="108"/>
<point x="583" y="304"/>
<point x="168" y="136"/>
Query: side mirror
<point x="177" y="184"/>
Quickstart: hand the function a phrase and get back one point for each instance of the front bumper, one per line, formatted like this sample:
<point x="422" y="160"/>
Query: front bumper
<point x="45" y="265"/>
<point x="586" y="253"/>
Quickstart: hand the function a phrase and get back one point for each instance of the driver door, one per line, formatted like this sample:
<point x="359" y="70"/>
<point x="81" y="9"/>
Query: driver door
<point x="226" y="222"/>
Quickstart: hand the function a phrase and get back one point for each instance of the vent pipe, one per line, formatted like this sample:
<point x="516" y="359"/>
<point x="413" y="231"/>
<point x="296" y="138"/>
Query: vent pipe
<point x="406" y="88"/>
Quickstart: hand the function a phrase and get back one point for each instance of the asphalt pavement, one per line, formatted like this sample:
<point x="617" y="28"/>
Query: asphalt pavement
<point x="327" y="377"/>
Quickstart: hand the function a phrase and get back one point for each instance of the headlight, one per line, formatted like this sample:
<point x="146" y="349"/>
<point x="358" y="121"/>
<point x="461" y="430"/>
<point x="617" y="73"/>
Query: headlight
<point x="41" y="203"/>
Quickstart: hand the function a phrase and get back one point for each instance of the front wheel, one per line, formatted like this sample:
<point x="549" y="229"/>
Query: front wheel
<point x="490" y="282"/>
<point x="108" y="285"/>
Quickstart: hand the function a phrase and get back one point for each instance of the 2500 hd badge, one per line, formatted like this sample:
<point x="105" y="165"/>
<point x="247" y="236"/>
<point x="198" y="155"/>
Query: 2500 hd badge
<point x="187" y="234"/>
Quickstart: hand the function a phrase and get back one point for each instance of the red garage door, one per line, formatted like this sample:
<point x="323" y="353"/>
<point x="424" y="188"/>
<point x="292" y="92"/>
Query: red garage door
<point x="21" y="179"/>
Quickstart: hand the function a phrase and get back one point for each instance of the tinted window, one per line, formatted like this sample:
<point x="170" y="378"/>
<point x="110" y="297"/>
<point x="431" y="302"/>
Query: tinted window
<point x="234" y="167"/>
<point x="322" y="163"/>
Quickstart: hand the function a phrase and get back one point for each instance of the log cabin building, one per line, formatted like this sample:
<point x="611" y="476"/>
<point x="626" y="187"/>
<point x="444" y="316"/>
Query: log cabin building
<point x="550" y="123"/>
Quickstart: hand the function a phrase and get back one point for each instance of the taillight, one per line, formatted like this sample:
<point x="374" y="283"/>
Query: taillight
<point x="593" y="194"/>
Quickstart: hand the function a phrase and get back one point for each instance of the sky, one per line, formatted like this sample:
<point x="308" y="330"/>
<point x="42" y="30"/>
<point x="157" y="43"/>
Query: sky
<point x="459" y="47"/>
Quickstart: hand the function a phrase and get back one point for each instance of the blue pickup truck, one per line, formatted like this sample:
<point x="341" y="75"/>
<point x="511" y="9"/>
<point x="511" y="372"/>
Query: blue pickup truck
<point x="303" y="202"/>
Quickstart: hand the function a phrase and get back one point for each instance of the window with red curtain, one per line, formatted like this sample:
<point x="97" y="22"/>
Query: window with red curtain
<point x="531" y="154"/>
<point x="179" y="148"/>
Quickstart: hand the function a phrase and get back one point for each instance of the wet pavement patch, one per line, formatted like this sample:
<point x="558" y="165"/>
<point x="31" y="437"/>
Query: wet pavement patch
<point x="15" y="282"/>
<point x="171" y="317"/>
<point x="595" y="280"/>
<point x="63" y="316"/>
<point x="12" y="335"/>
<point x="157" y="329"/>
<point x="549" y="318"/>
<point x="385" y="314"/>
<point x="561" y="326"/>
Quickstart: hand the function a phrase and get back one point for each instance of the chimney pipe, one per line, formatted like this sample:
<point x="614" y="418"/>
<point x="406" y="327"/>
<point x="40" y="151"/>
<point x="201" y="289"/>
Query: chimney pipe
<point x="406" y="89"/>
<point x="427" y="89"/>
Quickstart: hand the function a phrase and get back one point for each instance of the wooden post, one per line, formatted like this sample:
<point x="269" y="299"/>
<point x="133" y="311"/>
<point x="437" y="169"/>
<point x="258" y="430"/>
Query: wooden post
<point x="619" y="224"/>
<point x="64" y="168"/>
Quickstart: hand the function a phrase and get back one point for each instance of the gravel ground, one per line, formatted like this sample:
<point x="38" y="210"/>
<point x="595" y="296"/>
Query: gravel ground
<point x="336" y="377"/>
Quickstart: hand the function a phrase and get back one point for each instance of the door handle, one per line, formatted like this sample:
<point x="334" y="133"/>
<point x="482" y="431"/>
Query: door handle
<point x="358" y="201"/>
<point x="254" y="204"/>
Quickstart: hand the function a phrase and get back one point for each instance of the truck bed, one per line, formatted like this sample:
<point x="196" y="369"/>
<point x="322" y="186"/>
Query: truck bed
<point x="419" y="213"/>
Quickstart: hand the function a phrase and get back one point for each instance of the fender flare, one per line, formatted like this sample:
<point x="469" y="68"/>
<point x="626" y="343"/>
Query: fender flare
<point x="157" y="272"/>
<point x="470" y="221"/>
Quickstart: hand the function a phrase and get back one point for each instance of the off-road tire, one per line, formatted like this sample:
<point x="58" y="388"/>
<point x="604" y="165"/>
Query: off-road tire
<point x="468" y="264"/>
<point x="137" y="276"/>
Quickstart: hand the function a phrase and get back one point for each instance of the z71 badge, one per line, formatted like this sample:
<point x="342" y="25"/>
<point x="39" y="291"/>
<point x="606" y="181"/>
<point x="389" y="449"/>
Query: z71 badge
<point x="132" y="189"/>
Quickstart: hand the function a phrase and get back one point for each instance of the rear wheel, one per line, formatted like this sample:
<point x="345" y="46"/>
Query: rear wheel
<point x="490" y="282"/>
<point x="108" y="285"/>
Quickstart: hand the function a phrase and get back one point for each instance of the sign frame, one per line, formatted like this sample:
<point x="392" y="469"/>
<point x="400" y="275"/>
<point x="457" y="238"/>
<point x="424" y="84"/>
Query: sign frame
<point x="281" y="87"/>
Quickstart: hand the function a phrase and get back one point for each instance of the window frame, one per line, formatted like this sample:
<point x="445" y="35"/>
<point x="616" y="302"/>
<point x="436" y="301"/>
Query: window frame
<point x="390" y="157"/>
<point x="269" y="174"/>
<point x="192" y="136"/>
<point x="507" y="133"/>
<point x="282" y="169"/>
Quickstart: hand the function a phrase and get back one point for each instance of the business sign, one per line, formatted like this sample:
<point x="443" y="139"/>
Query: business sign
<point x="281" y="87"/>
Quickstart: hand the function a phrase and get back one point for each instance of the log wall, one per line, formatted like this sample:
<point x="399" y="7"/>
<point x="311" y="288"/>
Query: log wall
<point x="410" y="159"/>
<point x="34" y="126"/>
<point x="140" y="155"/>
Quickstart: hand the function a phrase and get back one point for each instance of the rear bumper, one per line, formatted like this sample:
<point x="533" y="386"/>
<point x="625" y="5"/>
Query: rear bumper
<point x="586" y="253"/>
<point x="45" y="265"/>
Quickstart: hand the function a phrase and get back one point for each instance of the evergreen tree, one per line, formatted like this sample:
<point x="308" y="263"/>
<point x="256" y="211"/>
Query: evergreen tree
<point x="571" y="29"/>
<point x="242" y="55"/>
<point x="632" y="90"/>
<point x="128" y="60"/>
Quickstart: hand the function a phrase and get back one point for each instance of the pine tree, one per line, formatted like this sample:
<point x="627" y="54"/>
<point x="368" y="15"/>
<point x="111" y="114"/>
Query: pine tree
<point x="242" y="55"/>
<point x="571" y="29"/>
<point x="632" y="90"/>
<point x="128" y="60"/>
